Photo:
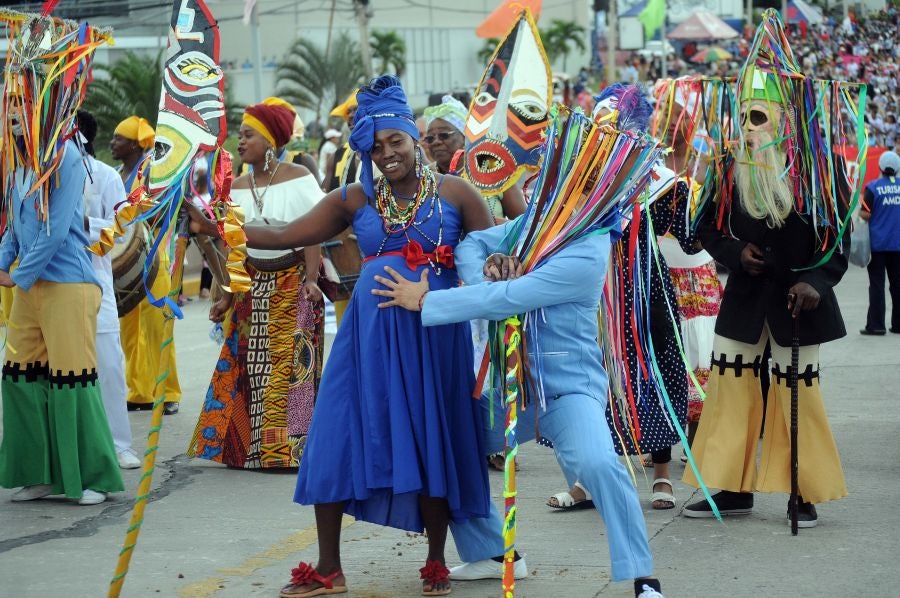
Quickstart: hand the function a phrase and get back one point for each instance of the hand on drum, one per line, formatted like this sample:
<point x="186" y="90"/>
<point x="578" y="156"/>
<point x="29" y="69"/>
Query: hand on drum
<point x="6" y="280"/>
<point x="199" y="224"/>
<point x="220" y="308"/>
<point x="311" y="291"/>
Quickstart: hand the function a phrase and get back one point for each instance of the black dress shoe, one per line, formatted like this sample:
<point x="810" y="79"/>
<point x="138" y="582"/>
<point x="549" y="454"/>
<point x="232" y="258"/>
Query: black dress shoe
<point x="138" y="406"/>
<point x="869" y="332"/>
<point x="728" y="503"/>
<point x="170" y="408"/>
<point x="806" y="514"/>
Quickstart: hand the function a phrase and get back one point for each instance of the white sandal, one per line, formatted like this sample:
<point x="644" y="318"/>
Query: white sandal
<point x="566" y="502"/>
<point x="667" y="498"/>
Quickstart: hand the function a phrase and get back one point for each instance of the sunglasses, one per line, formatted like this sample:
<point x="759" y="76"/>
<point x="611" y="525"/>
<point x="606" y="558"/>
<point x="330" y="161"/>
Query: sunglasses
<point x="444" y="136"/>
<point x="756" y="117"/>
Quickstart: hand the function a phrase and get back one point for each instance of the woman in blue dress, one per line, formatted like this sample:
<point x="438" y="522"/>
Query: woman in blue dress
<point x="394" y="435"/>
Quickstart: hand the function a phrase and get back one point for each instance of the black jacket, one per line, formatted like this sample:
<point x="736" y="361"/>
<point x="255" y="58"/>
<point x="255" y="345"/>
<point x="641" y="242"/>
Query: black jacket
<point x="749" y="301"/>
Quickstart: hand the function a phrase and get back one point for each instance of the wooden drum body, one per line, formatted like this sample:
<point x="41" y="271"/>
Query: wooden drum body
<point x="128" y="256"/>
<point x="344" y="254"/>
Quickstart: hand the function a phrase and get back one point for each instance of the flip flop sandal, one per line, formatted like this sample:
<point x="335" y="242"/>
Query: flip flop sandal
<point x="565" y="501"/>
<point x="434" y="573"/>
<point x="497" y="462"/>
<point x="667" y="498"/>
<point x="305" y="574"/>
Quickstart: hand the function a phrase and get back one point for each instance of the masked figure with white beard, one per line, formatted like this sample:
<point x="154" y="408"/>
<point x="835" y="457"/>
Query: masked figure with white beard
<point x="761" y="227"/>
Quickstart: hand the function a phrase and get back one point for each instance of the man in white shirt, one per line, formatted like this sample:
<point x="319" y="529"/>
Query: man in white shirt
<point x="103" y="190"/>
<point x="331" y="144"/>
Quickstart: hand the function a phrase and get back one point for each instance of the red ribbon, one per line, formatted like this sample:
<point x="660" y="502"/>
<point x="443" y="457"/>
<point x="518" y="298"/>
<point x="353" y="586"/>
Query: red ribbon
<point x="415" y="255"/>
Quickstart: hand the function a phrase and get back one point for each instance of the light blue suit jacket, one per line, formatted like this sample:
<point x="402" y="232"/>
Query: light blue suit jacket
<point x="566" y="289"/>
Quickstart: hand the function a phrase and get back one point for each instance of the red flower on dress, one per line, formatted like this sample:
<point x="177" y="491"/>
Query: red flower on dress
<point x="415" y="255"/>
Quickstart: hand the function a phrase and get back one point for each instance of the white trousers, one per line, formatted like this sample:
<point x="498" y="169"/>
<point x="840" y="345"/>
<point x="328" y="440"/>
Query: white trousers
<point x="111" y="374"/>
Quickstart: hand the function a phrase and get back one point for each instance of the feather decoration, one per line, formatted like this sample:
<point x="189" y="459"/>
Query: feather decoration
<point x="48" y="6"/>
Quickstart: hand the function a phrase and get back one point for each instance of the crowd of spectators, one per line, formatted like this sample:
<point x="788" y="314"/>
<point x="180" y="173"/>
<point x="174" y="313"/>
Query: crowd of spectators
<point x="863" y="49"/>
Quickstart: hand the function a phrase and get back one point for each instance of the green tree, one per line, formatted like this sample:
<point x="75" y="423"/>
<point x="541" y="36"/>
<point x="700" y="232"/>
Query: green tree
<point x="561" y="38"/>
<point x="309" y="79"/>
<point x="390" y="49"/>
<point x="132" y="86"/>
<point x="487" y="50"/>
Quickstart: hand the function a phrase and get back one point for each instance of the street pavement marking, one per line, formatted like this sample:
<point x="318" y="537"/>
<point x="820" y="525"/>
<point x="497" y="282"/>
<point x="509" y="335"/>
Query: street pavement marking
<point x="277" y="552"/>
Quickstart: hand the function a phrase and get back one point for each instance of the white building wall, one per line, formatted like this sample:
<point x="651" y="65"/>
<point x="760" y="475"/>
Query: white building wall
<point x="440" y="37"/>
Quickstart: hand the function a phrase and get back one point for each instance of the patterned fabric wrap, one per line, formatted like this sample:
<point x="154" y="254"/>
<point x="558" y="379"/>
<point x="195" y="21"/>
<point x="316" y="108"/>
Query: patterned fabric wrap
<point x="260" y="401"/>
<point x="699" y="293"/>
<point x="695" y="399"/>
<point x="698" y="290"/>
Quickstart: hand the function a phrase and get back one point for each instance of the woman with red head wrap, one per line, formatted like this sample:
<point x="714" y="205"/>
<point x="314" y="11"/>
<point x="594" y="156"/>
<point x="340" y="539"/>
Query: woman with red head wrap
<point x="259" y="405"/>
<point x="270" y="119"/>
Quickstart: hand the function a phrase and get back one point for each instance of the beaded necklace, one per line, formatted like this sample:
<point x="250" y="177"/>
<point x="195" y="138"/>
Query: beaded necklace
<point x="397" y="220"/>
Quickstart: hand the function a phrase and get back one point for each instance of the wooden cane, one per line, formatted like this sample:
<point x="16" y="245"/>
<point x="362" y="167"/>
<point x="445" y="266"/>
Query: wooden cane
<point x="795" y="362"/>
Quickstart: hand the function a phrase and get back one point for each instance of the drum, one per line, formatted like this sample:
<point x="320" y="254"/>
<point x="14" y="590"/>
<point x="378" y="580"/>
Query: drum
<point x="128" y="256"/>
<point x="344" y="254"/>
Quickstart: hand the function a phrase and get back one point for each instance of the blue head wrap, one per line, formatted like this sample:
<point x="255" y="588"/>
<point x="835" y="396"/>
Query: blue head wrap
<point x="382" y="105"/>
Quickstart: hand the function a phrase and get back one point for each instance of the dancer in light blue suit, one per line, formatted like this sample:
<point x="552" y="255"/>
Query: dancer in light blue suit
<point x="567" y="289"/>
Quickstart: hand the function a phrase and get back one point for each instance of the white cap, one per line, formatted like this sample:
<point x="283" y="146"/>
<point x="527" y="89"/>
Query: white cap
<point x="889" y="160"/>
<point x="332" y="133"/>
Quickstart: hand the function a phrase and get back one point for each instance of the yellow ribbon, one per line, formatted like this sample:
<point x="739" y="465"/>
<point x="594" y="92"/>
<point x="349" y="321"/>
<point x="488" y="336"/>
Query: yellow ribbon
<point x="232" y="229"/>
<point x="125" y="216"/>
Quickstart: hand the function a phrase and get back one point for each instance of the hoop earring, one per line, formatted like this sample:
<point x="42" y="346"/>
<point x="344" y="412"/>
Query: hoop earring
<point x="270" y="157"/>
<point x="420" y="167"/>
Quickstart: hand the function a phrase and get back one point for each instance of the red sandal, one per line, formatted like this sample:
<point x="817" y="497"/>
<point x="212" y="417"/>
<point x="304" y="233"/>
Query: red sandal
<point x="434" y="573"/>
<point x="305" y="574"/>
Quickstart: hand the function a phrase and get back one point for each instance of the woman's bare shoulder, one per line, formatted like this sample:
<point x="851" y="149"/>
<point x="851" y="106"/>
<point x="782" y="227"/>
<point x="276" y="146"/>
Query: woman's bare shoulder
<point x="241" y="182"/>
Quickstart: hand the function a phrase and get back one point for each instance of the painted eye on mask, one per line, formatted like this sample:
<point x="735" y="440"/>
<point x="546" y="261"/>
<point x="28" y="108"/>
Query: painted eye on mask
<point x="196" y="68"/>
<point x="529" y="109"/>
<point x="484" y="98"/>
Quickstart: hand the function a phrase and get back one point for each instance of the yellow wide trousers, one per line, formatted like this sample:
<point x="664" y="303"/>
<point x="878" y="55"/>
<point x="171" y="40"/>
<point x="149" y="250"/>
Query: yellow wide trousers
<point x="725" y="447"/>
<point x="143" y="331"/>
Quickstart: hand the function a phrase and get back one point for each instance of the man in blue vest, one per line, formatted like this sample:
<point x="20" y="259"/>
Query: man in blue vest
<point x="882" y="210"/>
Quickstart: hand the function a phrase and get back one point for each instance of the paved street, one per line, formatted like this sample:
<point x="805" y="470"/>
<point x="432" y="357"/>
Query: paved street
<point x="214" y="532"/>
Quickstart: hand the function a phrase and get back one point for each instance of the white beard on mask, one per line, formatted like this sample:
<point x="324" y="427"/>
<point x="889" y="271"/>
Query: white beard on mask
<point x="764" y="194"/>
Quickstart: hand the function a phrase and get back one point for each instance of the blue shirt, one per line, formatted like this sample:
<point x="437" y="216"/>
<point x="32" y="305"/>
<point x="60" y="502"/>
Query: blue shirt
<point x="883" y="200"/>
<point x="55" y="249"/>
<point x="563" y="294"/>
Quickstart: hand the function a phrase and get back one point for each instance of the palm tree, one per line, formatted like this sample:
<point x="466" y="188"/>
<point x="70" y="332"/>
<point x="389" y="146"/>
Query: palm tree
<point x="132" y="87"/>
<point x="487" y="50"/>
<point x="560" y="38"/>
<point x="390" y="49"/>
<point x="309" y="79"/>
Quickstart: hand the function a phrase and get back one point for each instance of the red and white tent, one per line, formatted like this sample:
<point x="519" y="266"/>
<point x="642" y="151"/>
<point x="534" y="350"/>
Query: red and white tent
<point x="799" y="11"/>
<point x="702" y="26"/>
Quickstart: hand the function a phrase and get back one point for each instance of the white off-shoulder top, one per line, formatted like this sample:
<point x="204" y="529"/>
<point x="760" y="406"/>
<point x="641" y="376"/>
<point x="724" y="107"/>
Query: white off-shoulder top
<point x="282" y="202"/>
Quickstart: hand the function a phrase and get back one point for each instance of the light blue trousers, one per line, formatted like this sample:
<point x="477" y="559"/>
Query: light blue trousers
<point x="576" y="424"/>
